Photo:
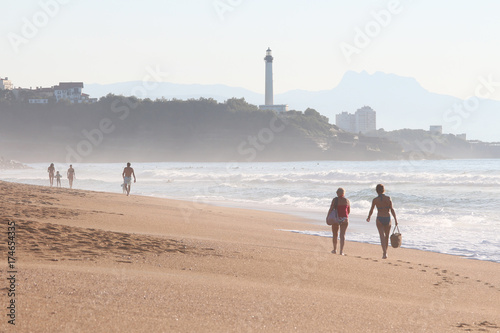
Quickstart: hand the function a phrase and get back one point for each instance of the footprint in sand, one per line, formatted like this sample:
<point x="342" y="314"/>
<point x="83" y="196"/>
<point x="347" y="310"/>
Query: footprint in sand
<point x="479" y="326"/>
<point x="437" y="273"/>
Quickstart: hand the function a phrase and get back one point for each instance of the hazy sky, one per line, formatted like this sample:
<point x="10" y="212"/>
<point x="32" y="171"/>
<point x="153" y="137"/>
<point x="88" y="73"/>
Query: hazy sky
<point x="445" y="44"/>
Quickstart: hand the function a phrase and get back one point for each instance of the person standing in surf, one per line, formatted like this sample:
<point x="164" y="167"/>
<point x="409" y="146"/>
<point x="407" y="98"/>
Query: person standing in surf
<point x="51" y="170"/>
<point x="71" y="175"/>
<point x="343" y="207"/>
<point x="384" y="209"/>
<point x="58" y="179"/>
<point x="127" y="174"/>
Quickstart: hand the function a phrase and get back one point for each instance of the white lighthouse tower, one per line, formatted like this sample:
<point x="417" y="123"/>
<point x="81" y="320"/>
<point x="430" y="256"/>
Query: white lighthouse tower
<point x="269" y="77"/>
<point x="269" y="100"/>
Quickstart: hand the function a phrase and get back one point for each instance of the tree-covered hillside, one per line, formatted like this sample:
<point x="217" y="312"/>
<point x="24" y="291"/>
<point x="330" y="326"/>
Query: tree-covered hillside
<point x="118" y="128"/>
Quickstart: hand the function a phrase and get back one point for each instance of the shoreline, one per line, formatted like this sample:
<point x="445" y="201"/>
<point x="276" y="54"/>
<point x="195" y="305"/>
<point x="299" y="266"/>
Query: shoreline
<point x="313" y="218"/>
<point x="97" y="261"/>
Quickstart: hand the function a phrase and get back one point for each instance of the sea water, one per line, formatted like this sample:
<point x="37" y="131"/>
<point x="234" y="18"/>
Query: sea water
<point x="446" y="206"/>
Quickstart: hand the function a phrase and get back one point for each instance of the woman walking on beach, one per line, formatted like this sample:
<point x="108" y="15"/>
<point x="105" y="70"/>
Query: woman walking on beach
<point x="51" y="170"/>
<point x="384" y="207"/>
<point x="343" y="207"/>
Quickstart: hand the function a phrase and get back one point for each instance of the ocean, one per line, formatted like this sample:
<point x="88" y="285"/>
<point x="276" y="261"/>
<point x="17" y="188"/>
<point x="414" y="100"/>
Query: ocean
<point x="445" y="206"/>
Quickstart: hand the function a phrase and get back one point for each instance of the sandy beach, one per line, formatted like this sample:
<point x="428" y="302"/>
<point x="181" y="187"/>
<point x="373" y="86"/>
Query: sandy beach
<point x="101" y="262"/>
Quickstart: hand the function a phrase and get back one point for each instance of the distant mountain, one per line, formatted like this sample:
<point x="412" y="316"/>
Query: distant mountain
<point x="400" y="102"/>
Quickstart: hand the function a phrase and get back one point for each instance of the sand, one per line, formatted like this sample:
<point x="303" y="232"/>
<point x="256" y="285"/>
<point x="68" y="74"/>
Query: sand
<point x="100" y="262"/>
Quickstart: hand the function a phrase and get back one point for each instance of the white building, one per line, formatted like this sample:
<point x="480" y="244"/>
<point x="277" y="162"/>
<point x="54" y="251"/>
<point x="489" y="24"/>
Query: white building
<point x="346" y="121"/>
<point x="278" y="108"/>
<point x="71" y="91"/>
<point x="364" y="120"/>
<point x="5" y="84"/>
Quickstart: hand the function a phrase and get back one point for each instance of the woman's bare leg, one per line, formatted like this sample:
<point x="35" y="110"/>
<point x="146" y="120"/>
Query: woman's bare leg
<point x="383" y="231"/>
<point x="343" y="229"/>
<point x="387" y="231"/>
<point x="335" y="234"/>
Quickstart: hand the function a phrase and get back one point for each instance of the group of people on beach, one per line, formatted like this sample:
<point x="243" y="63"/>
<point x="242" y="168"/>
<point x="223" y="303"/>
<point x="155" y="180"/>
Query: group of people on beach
<point x="340" y="204"/>
<point x="343" y="207"/>
<point x="127" y="174"/>
<point x="70" y="174"/>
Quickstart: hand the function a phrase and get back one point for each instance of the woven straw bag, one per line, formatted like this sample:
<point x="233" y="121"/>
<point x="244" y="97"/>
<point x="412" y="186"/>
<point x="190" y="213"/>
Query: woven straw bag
<point x="396" y="238"/>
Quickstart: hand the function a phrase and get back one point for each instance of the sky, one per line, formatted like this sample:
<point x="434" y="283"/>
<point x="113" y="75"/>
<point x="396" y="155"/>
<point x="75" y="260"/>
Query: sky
<point x="446" y="45"/>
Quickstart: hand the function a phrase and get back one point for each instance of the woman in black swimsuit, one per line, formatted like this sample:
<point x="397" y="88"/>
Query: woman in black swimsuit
<point x="384" y="207"/>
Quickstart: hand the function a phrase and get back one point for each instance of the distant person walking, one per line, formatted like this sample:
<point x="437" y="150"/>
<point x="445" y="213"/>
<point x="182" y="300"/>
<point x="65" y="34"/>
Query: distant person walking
<point x="384" y="207"/>
<point x="51" y="170"/>
<point x="58" y="179"/>
<point x="127" y="174"/>
<point x="343" y="207"/>
<point x="71" y="175"/>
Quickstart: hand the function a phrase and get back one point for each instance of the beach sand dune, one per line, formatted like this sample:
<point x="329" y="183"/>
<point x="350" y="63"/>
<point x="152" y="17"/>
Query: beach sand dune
<point x="100" y="262"/>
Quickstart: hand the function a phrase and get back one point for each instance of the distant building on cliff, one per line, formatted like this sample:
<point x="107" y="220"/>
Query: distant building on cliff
<point x="269" y="98"/>
<point x="438" y="130"/>
<point x="64" y="91"/>
<point x="71" y="91"/>
<point x="5" y="84"/>
<point x="364" y="120"/>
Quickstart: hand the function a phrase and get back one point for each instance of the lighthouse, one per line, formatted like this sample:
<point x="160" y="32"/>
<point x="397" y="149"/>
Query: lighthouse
<point x="269" y="100"/>
<point x="269" y="77"/>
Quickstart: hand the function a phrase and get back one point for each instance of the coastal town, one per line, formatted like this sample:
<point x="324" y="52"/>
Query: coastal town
<point x="68" y="91"/>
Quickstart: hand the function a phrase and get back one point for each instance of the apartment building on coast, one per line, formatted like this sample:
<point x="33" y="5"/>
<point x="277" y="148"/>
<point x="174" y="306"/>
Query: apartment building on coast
<point x="364" y="120"/>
